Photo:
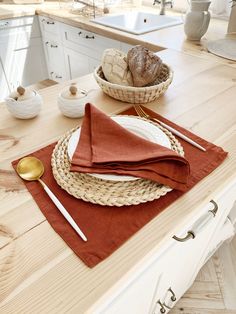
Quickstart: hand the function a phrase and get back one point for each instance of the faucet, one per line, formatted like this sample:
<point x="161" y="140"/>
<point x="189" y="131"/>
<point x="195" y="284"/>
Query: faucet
<point x="163" y="4"/>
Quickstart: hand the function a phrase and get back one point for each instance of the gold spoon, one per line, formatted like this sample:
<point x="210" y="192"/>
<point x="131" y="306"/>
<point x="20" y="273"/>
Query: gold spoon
<point x="31" y="169"/>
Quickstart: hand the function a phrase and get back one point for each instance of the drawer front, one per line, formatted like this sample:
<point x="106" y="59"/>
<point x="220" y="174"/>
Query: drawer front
<point x="15" y="22"/>
<point x="136" y="297"/>
<point x="186" y="255"/>
<point x="49" y="25"/>
<point x="19" y="31"/>
<point x="180" y="262"/>
<point x="86" y="42"/>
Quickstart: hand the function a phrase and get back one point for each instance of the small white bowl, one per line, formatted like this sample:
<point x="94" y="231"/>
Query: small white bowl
<point x="24" y="109"/>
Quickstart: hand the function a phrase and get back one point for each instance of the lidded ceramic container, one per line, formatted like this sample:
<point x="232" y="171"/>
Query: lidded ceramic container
<point x="24" y="104"/>
<point x="72" y="100"/>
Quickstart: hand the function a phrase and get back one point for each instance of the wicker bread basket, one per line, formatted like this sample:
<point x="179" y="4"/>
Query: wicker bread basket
<point x="136" y="95"/>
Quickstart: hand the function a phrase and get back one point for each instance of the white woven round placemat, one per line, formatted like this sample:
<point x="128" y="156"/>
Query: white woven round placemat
<point x="105" y="192"/>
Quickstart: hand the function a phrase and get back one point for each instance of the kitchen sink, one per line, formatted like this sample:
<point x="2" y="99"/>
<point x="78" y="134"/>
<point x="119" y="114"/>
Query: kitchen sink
<point x="137" y="22"/>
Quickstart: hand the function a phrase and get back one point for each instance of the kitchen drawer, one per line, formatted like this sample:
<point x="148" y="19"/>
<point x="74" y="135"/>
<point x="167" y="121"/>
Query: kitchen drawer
<point x="16" y="22"/>
<point x="49" y="25"/>
<point x="86" y="42"/>
<point x="19" y="30"/>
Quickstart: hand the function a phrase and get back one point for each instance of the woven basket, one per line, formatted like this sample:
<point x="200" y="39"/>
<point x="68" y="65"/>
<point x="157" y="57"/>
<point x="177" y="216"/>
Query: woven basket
<point x="136" y="95"/>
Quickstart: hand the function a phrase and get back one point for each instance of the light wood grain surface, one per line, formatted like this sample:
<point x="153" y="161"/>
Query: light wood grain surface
<point x="38" y="272"/>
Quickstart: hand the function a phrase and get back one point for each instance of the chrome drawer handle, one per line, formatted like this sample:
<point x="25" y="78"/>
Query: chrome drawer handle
<point x="54" y="46"/>
<point x="58" y="76"/>
<point x="215" y="209"/>
<point x="190" y="235"/>
<point x="50" y="23"/>
<point x="173" y="297"/>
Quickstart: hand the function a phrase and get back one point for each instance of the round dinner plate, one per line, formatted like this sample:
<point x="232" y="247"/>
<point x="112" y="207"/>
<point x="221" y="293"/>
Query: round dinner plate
<point x="139" y="127"/>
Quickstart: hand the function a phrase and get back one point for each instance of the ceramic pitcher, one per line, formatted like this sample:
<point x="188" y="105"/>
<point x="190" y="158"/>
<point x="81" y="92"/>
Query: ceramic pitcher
<point x="197" y="19"/>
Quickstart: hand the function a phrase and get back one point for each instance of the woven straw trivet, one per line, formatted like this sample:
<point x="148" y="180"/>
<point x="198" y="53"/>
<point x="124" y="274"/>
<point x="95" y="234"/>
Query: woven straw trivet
<point x="105" y="192"/>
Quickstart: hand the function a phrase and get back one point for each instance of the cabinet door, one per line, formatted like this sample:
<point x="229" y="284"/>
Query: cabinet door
<point x="55" y="59"/>
<point x="136" y="297"/>
<point x="77" y="64"/>
<point x="24" y="66"/>
<point x="21" y="52"/>
<point x="4" y="88"/>
<point x="181" y="260"/>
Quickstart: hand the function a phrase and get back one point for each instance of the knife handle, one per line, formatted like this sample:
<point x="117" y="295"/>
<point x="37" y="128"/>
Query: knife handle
<point x="63" y="211"/>
<point x="179" y="134"/>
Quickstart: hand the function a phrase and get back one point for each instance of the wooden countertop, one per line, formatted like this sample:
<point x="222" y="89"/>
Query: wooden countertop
<point x="172" y="37"/>
<point x="39" y="273"/>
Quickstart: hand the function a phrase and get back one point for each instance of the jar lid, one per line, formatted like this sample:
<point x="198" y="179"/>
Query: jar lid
<point x="73" y="92"/>
<point x="23" y="94"/>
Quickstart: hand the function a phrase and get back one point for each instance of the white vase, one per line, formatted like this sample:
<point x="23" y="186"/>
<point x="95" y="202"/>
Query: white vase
<point x="197" y="19"/>
<point x="232" y="20"/>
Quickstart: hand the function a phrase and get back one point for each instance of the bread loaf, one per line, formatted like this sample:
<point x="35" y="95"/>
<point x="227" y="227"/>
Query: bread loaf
<point x="144" y="65"/>
<point x="115" y="67"/>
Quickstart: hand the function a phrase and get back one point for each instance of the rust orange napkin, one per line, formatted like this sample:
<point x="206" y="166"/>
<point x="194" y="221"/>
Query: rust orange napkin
<point x="106" y="147"/>
<point x="108" y="227"/>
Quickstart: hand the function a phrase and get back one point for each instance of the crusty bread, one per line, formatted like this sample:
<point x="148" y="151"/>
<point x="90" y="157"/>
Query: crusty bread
<point x="144" y="65"/>
<point x="115" y="67"/>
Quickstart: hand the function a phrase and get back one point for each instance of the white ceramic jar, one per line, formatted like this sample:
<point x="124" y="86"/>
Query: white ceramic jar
<point x="24" y="104"/>
<point x="72" y="100"/>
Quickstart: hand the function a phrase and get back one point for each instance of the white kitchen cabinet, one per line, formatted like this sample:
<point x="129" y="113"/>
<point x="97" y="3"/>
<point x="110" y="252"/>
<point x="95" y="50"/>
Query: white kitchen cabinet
<point x="25" y="65"/>
<point x="55" y="59"/>
<point x="159" y="280"/>
<point x="49" y="25"/>
<point x="53" y="49"/>
<point x="4" y="88"/>
<point x="86" y="42"/>
<point x="21" y="53"/>
<point x="78" y="64"/>
<point x="70" y="51"/>
<point x="83" y="50"/>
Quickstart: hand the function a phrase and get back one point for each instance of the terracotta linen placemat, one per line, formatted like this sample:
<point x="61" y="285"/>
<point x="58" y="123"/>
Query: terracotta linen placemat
<point x="107" y="227"/>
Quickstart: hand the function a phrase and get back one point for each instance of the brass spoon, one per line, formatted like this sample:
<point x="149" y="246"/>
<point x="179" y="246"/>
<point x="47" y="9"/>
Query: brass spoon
<point x="31" y="169"/>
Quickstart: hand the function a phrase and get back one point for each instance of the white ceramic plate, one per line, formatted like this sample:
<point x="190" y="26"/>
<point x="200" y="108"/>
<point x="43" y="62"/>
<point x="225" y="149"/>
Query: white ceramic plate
<point x="135" y="125"/>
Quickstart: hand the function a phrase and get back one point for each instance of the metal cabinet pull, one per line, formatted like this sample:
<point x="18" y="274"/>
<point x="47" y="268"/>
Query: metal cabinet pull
<point x="50" y="23"/>
<point x="190" y="235"/>
<point x="4" y="24"/>
<point x="89" y="37"/>
<point x="58" y="76"/>
<point x="86" y="36"/>
<point x="162" y="308"/>
<point x="54" y="46"/>
<point x="173" y="297"/>
<point x="200" y="224"/>
<point x="215" y="209"/>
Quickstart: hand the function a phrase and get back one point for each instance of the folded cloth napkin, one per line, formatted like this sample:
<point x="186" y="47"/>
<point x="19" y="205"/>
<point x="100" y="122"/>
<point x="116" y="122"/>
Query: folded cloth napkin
<point x="106" y="147"/>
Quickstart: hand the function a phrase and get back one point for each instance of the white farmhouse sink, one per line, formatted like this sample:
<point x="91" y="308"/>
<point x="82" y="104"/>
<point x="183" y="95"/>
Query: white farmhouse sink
<point x="137" y="22"/>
